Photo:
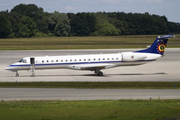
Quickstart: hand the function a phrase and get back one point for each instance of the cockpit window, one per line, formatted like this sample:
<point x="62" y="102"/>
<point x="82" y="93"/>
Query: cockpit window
<point x="24" y="61"/>
<point x="20" y="60"/>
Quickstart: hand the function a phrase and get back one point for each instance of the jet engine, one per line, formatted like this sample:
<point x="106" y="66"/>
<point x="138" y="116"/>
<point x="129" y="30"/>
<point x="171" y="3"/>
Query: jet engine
<point x="131" y="56"/>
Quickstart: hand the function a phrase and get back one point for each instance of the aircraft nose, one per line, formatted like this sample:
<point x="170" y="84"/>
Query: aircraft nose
<point x="7" y="68"/>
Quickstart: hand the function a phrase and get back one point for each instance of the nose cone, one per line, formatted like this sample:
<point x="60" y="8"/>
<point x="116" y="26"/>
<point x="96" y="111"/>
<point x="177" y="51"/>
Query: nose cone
<point x="11" y="68"/>
<point x="8" y="68"/>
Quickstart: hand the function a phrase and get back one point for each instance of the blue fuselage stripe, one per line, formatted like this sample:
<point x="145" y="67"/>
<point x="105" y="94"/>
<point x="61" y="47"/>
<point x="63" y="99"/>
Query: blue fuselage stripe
<point x="45" y="64"/>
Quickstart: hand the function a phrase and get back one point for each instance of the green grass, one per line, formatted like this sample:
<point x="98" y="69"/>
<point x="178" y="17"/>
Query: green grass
<point x="103" y="42"/>
<point x="93" y="85"/>
<point x="90" y="110"/>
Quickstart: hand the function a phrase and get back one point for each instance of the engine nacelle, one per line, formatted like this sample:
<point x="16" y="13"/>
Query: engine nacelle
<point x="130" y="56"/>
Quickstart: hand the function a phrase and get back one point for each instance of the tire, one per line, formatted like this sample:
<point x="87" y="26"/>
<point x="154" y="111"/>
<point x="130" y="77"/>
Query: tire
<point x="100" y="74"/>
<point x="17" y="75"/>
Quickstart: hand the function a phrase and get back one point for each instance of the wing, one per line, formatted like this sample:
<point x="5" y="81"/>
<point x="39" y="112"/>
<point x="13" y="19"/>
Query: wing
<point x="92" y="67"/>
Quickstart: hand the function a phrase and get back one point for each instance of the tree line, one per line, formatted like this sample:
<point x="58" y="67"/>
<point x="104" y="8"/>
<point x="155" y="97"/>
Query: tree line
<point x="31" y="21"/>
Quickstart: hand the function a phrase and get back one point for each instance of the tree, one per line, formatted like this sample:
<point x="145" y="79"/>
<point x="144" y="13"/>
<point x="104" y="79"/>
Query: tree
<point x="14" y="27"/>
<point x="174" y="27"/>
<point x="5" y="29"/>
<point x="42" y="25"/>
<point x="107" y="29"/>
<point x="79" y="25"/>
<point x="30" y="10"/>
<point x="35" y="13"/>
<point x="59" y="23"/>
<point x="27" y="20"/>
<point x="92" y="21"/>
<point x="82" y="24"/>
<point x="28" y="26"/>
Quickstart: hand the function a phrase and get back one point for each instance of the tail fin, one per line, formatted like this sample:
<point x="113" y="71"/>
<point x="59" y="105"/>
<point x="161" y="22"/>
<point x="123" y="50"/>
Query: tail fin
<point x="158" y="46"/>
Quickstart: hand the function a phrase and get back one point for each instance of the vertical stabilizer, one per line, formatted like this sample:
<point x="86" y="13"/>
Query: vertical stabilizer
<point x="159" y="45"/>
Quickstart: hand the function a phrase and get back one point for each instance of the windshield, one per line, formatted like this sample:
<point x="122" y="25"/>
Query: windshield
<point x="23" y="61"/>
<point x="20" y="60"/>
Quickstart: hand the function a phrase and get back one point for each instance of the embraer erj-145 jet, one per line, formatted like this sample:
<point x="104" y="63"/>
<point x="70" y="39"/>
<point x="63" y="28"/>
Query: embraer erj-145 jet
<point x="94" y="62"/>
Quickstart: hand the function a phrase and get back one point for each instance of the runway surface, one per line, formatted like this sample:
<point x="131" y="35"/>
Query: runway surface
<point x="164" y="69"/>
<point x="86" y="94"/>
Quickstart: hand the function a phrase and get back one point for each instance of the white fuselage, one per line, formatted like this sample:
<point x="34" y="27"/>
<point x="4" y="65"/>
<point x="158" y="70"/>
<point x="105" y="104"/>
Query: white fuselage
<point x="85" y="62"/>
<point x="95" y="62"/>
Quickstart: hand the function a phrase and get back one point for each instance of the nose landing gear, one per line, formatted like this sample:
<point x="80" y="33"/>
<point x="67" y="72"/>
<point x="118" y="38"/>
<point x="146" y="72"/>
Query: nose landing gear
<point x="17" y="75"/>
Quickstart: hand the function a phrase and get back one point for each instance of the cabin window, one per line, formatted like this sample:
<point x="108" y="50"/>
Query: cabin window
<point x="70" y="60"/>
<point x="42" y="61"/>
<point x="84" y="59"/>
<point x="107" y="58"/>
<point x="99" y="59"/>
<point x="116" y="58"/>
<point x="103" y="58"/>
<point x="66" y="60"/>
<point x="112" y="58"/>
<point x="89" y="59"/>
<point x="94" y="59"/>
<point x="61" y="60"/>
<point x="79" y="59"/>
<point x="47" y="60"/>
<point x="75" y="60"/>
<point x="51" y="60"/>
<point x="56" y="60"/>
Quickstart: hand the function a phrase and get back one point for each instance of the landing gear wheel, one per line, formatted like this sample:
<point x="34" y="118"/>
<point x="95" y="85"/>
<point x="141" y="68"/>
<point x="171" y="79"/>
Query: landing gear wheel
<point x="100" y="74"/>
<point x="17" y="75"/>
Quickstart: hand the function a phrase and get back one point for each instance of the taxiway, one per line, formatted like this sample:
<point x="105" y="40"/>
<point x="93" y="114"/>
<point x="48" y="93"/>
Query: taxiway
<point x="86" y="94"/>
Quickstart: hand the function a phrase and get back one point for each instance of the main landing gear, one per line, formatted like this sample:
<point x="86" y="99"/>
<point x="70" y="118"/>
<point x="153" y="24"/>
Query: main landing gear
<point x="98" y="72"/>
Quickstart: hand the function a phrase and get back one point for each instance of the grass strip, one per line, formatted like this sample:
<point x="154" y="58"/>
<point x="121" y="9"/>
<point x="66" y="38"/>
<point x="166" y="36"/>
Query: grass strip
<point x="91" y="110"/>
<point x="92" y="42"/>
<point x="93" y="85"/>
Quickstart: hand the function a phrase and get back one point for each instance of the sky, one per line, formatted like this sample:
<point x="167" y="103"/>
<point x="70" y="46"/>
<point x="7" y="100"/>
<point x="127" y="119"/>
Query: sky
<point x="168" y="8"/>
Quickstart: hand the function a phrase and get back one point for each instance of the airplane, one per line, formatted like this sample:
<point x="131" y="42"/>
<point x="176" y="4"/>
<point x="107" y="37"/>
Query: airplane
<point x="95" y="62"/>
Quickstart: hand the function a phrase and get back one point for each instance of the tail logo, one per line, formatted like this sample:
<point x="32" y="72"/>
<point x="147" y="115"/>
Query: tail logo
<point x="161" y="47"/>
